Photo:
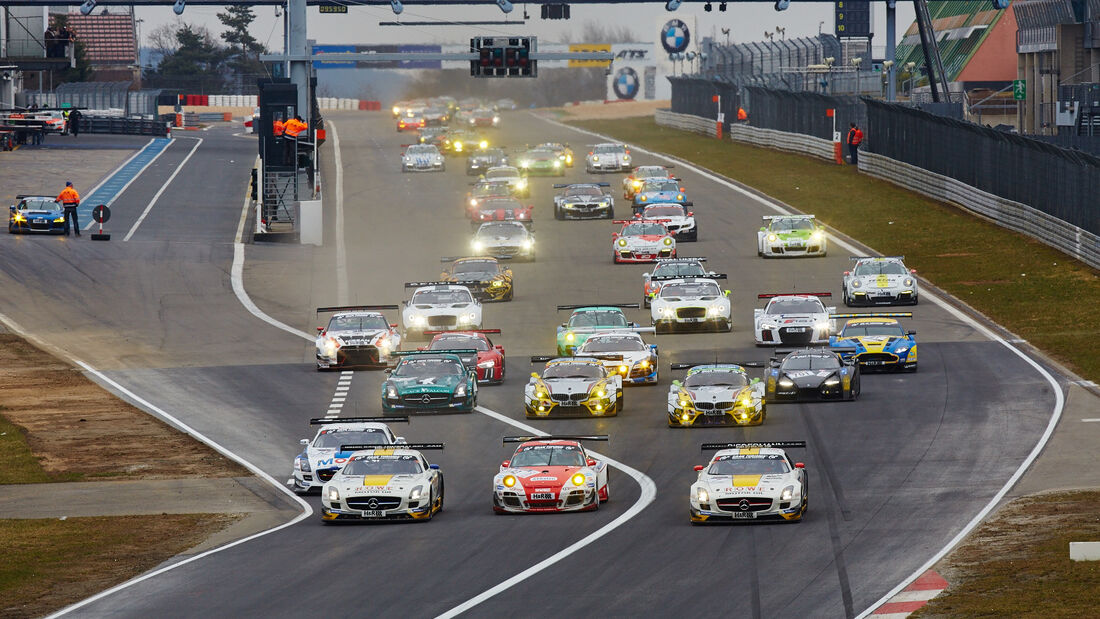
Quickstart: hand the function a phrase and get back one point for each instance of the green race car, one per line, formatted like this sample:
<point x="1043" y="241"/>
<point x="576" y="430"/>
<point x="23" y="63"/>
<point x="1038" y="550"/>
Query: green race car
<point x="588" y="319"/>
<point x="791" y="235"/>
<point x="431" y="381"/>
<point x="541" y="162"/>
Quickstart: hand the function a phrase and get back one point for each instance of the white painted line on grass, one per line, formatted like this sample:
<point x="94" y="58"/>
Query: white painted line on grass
<point x="1059" y="397"/>
<point x="162" y="189"/>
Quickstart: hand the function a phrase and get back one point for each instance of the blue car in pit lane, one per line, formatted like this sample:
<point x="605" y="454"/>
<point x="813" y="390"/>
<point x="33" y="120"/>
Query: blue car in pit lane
<point x="41" y="214"/>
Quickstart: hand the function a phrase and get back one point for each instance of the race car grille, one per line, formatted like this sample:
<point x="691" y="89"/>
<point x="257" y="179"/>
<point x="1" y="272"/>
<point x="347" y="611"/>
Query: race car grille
<point x="569" y="398"/>
<point x="583" y="206"/>
<point x="789" y="336"/>
<point x="713" y="418"/>
<point x="441" y="321"/>
<point x="707" y="406"/>
<point x="877" y="358"/>
<point x="691" y="312"/>
<point x="575" y="497"/>
<point x="752" y="503"/>
<point x="543" y="504"/>
<point x="426" y="399"/>
<point x="325" y="474"/>
<point x="383" y="502"/>
<point x="359" y="354"/>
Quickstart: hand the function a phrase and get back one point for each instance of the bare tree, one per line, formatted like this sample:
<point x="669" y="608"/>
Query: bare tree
<point x="598" y="32"/>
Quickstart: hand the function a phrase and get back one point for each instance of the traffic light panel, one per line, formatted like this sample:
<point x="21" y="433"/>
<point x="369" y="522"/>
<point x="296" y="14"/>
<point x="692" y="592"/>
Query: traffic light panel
<point x="503" y="57"/>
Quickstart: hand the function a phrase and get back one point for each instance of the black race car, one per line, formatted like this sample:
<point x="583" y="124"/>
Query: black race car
<point x="481" y="160"/>
<point x="811" y="374"/>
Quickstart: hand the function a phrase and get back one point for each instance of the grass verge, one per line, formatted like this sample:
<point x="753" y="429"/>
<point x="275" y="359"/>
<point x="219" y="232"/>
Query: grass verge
<point x="17" y="463"/>
<point x="1017" y="564"/>
<point x="49" y="564"/>
<point x="1039" y="293"/>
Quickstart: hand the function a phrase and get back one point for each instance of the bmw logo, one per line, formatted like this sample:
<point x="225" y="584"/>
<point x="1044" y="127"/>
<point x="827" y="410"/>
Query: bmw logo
<point x="626" y="83"/>
<point x="675" y="36"/>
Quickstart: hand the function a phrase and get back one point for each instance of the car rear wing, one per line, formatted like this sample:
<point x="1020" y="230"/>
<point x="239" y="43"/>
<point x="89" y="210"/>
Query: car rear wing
<point x="873" y="315"/>
<point x="772" y="295"/>
<point x="772" y="444"/>
<point x="642" y="221"/>
<point x="857" y="258"/>
<point x="31" y="195"/>
<point x="563" y="186"/>
<point x="675" y="260"/>
<point x="611" y="330"/>
<point x="454" y="283"/>
<point x="356" y="308"/>
<point x="490" y="331"/>
<point x="792" y="216"/>
<point x="445" y="351"/>
<point x="416" y="446"/>
<point x="325" y="420"/>
<point x="455" y="258"/>
<point x="665" y="278"/>
<point x="744" y="364"/>
<point x="618" y="305"/>
<point x="548" y="358"/>
<point x="555" y="437"/>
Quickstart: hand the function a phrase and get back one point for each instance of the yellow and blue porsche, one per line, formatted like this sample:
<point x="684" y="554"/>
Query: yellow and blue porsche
<point x="876" y="341"/>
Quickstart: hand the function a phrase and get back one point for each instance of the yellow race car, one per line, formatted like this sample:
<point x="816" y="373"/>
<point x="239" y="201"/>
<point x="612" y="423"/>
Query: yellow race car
<point x="573" y="387"/>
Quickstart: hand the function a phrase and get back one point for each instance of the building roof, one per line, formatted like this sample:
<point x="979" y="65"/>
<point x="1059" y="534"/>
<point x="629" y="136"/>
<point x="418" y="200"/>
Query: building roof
<point x="962" y="29"/>
<point x="109" y="39"/>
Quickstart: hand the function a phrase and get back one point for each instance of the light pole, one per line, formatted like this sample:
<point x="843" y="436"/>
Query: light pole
<point x="855" y="63"/>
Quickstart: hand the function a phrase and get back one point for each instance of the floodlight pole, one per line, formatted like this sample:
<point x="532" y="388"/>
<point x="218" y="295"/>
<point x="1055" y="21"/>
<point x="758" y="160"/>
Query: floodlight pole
<point x="298" y="46"/>
<point x="891" y="50"/>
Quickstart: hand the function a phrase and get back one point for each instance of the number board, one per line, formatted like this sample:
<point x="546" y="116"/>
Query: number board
<point x="853" y="19"/>
<point x="332" y="8"/>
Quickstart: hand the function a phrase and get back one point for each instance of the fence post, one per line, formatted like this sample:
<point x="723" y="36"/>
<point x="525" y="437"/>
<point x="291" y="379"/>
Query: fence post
<point x="838" y="147"/>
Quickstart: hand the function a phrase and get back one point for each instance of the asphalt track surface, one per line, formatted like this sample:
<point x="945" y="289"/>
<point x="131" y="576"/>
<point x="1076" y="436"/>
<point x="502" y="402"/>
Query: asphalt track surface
<point x="893" y="475"/>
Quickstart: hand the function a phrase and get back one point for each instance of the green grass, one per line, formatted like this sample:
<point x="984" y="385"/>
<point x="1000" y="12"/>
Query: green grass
<point x="1041" y="294"/>
<point x="18" y="465"/>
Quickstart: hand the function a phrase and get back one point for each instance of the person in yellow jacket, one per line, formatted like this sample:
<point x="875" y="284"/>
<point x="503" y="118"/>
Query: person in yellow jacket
<point x="70" y="199"/>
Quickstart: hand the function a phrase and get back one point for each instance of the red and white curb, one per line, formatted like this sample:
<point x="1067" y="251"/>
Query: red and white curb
<point x="927" y="586"/>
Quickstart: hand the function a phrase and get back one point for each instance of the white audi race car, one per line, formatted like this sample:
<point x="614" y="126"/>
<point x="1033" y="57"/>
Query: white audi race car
<point x="321" y="457"/>
<point x="387" y="483"/>
<point x="691" y="303"/>
<point x="880" y="281"/>
<point x="573" y="387"/>
<point x="511" y="175"/>
<point x="440" y="306"/>
<point x="791" y="235"/>
<point x="679" y="221"/>
<point x="508" y="239"/>
<point x="550" y="474"/>
<point x="624" y="352"/>
<point x="749" y="481"/>
<point x="422" y="158"/>
<point x="356" y="335"/>
<point x="607" y="158"/>
<point x="793" y="319"/>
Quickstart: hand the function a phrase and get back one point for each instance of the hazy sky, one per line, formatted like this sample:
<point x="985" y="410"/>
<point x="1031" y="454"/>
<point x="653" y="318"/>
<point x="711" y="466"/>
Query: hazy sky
<point x="746" y="21"/>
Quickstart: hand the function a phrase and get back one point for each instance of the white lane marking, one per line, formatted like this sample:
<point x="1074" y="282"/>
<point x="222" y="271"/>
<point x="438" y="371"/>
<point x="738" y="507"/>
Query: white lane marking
<point x="152" y="409"/>
<point x="648" y="493"/>
<point x="131" y="181"/>
<point x="1091" y="419"/>
<point x="1056" y="413"/>
<point x="341" y="247"/>
<point x="163" y="188"/>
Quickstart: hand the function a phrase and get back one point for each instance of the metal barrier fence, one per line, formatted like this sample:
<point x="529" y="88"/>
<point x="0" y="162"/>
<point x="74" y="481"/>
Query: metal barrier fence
<point x="98" y="96"/>
<point x="695" y="96"/>
<point x="123" y="126"/>
<point x="802" y="112"/>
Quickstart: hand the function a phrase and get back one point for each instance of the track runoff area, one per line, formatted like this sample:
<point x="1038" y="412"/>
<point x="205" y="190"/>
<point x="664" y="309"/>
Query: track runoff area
<point x="889" y="477"/>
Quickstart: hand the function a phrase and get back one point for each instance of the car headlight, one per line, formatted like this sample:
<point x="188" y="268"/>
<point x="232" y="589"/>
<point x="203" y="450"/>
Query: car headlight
<point x="787" y="493"/>
<point x="330" y="346"/>
<point x="595" y="157"/>
<point x="458" y="145"/>
<point x="578" y="479"/>
<point x="626" y="158"/>
<point x="521" y="183"/>
<point x="767" y="326"/>
<point x="902" y="350"/>
<point x="471" y="317"/>
<point x="483" y="144"/>
<point x="666" y="311"/>
<point x="496" y="119"/>
<point x="486" y="364"/>
<point x="714" y="310"/>
<point x="644" y="364"/>
<point x="61" y="220"/>
<point x="817" y="235"/>
<point x="856" y="284"/>
<point x="497" y="283"/>
<point x="623" y="369"/>
<point x="333" y="494"/>
<point x="908" y="280"/>
<point x="832" y="382"/>
<point x="525" y="164"/>
<point x="668" y="241"/>
<point x="821" y="326"/>
<point x="416" y="493"/>
<point x="20" y="217"/>
<point x="786" y="382"/>
<point x="478" y="246"/>
<point x="391" y="392"/>
<point x="396" y="110"/>
<point x="509" y="481"/>
<point x="473" y="202"/>
<point x="302" y="464"/>
<point x="679" y="196"/>
<point x="622" y="242"/>
<point x="599" y="393"/>
<point x="541" y="393"/>
<point x="557" y="164"/>
<point x="419" y="320"/>
<point x="460" y="391"/>
<point x="772" y="238"/>
<point x="702" y="496"/>
<point x="569" y="337"/>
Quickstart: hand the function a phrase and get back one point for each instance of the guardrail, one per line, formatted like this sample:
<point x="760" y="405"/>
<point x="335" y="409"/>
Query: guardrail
<point x="687" y="122"/>
<point x="782" y="140"/>
<point x="124" y="126"/>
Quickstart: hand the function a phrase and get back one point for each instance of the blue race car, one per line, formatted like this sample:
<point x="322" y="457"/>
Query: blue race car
<point x="876" y="341"/>
<point x="431" y="381"/>
<point x="36" y="214"/>
<point x="659" y="191"/>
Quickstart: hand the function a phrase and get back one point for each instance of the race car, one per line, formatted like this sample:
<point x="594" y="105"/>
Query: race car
<point x="791" y="235"/>
<point x="671" y="268"/>
<point x="462" y="141"/>
<point x="432" y="135"/>
<point x="588" y="319"/>
<point x="679" y="221"/>
<point x="479" y="161"/>
<point x="691" y="303"/>
<point x="399" y="108"/>
<point x="504" y="238"/>
<point x="484" y="117"/>
<point x="410" y="122"/>
<point x="811" y="374"/>
<point x="511" y="175"/>
<point x="435" y="381"/>
<point x="421" y="158"/>
<point x="659" y="191"/>
<point x="880" y="281"/>
<point x="486" y="278"/>
<point x="541" y="162"/>
<point x="36" y="214"/>
<point x="501" y="209"/>
<point x="436" y="116"/>
<point x="607" y="158"/>
<point x="625" y="352"/>
<point x="486" y="190"/>
<point x="356" y="335"/>
<point x="793" y="319"/>
<point x="321" y="457"/>
<point x="876" y="341"/>
<point x="641" y="240"/>
<point x="750" y="481"/>
<point x="641" y="174"/>
<point x="573" y="387"/>
<point x="565" y="154"/>
<point x="439" y="306"/>
<point x="716" y="394"/>
<point x="488" y="358"/>
<point x="550" y="474"/>
<point x="584" y="201"/>
<point x="384" y="484"/>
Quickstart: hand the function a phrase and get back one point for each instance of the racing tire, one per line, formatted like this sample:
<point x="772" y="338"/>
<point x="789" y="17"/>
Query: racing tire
<point x="404" y="168"/>
<point x="645" y="302"/>
<point x="727" y="327"/>
<point x="763" y="414"/>
<point x="431" y="507"/>
<point x="443" y="168"/>
<point x="511" y="293"/>
<point x="855" y="390"/>
<point x="442" y="493"/>
<point x="619" y="401"/>
<point x="557" y="213"/>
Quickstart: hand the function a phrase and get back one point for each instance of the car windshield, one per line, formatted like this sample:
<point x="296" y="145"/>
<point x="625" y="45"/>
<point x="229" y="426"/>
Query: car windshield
<point x="657" y="212"/>
<point x="441" y="297"/>
<point x="422" y="149"/>
<point x="640" y="229"/>
<point x="873" y="328"/>
<point x="496" y="188"/>
<point x="716" y="378"/>
<point x="500" y="204"/>
<point x="679" y="268"/>
<point x="490" y="153"/>
<point x="334" y="438"/>
<point x="877" y="267"/>
<point x="787" y="223"/>
<point x="358" y="323"/>
<point x="458" y="342"/>
<point x="421" y="367"/>
<point x="749" y="465"/>
<point x="382" y="465"/>
<point x="795" y="306"/>
<point x="694" y="290"/>
<point x="507" y="231"/>
<point x="661" y="186"/>
<point x="612" y="343"/>
<point x="573" y="370"/>
<point x="649" y="171"/>
<point x="475" y="267"/>
<point x="598" y="318"/>
<point x="811" y="362"/>
<point x="548" y="455"/>
<point x="608" y="149"/>
<point x="502" y="173"/>
<point x="38" y="204"/>
<point x="542" y="155"/>
<point x="584" y="190"/>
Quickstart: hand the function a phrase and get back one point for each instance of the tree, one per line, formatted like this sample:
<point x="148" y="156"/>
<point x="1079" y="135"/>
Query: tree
<point x="598" y="32"/>
<point x="244" y="50"/>
<point x="197" y="63"/>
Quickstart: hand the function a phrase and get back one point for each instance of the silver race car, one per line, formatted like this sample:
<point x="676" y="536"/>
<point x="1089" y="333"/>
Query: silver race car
<point x="573" y="387"/>
<point x="671" y="268"/>
<point x="793" y="319"/>
<point x="691" y="303"/>
<point x="510" y="239"/>
<point x="625" y="352"/>
<point x="322" y="457"/>
<point x="716" y="394"/>
<point x="584" y="201"/>
<point x="751" y="482"/>
<point x="679" y="221"/>
<point x="384" y="484"/>
<point x="880" y="281"/>
<point x="356" y="335"/>
<point x="439" y="306"/>
<point x="422" y="158"/>
<point x="607" y="158"/>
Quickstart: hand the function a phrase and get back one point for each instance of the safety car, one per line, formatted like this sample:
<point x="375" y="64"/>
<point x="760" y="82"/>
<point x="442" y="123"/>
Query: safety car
<point x="637" y="178"/>
<point x="660" y="191"/>
<point x="431" y="381"/>
<point x="716" y="394"/>
<point x="625" y="352"/>
<point x="880" y="281"/>
<point x="691" y="303"/>
<point x="583" y="201"/>
<point x="550" y="474"/>
<point x="564" y="152"/>
<point x="811" y="374"/>
<point x="485" y="276"/>
<point x="793" y="319"/>
<point x="641" y="240"/>
<point x="488" y="358"/>
<point x="876" y="341"/>
<point x="356" y="335"/>
<point x="422" y="157"/>
<point x="321" y="457"/>
<point x="574" y="387"/>
<point x="479" y="161"/>
<point x="36" y="214"/>
<point x="511" y="175"/>
<point x="791" y="235"/>
<point x="607" y="158"/>
<point x="588" y="319"/>
<point x="384" y="484"/>
<point x="501" y="209"/>
<point x="750" y="481"/>
<point x="541" y="162"/>
<point x="504" y="238"/>
<point x="439" y="306"/>
<point x="671" y="268"/>
<point x="679" y="221"/>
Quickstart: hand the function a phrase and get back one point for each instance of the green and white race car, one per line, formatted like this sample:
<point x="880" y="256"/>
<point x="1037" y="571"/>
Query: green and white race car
<point x="588" y="319"/>
<point x="430" y="381"/>
<point x="791" y="235"/>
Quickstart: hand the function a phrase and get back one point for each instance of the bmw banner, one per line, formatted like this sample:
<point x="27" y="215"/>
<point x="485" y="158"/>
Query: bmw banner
<point x="632" y="73"/>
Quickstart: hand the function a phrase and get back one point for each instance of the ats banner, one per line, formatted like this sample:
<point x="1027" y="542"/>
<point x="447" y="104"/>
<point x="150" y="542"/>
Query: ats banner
<point x="589" y="47"/>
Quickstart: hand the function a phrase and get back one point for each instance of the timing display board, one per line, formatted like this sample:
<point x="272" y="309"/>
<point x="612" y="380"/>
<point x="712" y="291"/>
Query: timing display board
<point x="853" y="19"/>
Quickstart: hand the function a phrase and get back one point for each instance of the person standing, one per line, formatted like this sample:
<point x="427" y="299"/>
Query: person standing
<point x="742" y="115"/>
<point x="277" y="126"/>
<point x="70" y="199"/>
<point x="74" y="122"/>
<point x="855" y="138"/>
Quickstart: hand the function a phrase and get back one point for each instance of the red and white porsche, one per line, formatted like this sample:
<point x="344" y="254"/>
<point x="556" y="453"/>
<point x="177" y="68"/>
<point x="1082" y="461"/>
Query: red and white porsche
<point x="501" y="209"/>
<point x="550" y="474"/>
<point x="490" y="357"/>
<point x="642" y="240"/>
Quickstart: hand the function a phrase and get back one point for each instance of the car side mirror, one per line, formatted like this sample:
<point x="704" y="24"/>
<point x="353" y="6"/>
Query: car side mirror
<point x="434" y="467"/>
<point x="910" y="332"/>
<point x="399" y="440"/>
<point x="506" y="463"/>
<point x="847" y="273"/>
<point x="320" y="329"/>
<point x="698" y="467"/>
<point x="727" y="292"/>
<point x="534" y="374"/>
<point x="12" y="208"/>
<point x="393" y="325"/>
<point x="676" y="383"/>
<point x="691" y="214"/>
<point x="913" y="271"/>
<point x="304" y="441"/>
<point x="388" y="370"/>
<point x="590" y="462"/>
<point x="646" y="275"/>
<point x="799" y="465"/>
